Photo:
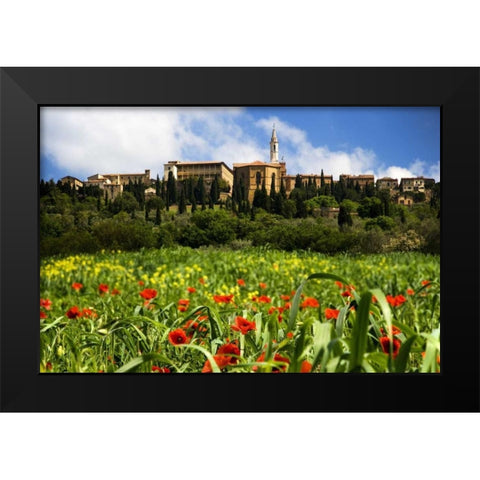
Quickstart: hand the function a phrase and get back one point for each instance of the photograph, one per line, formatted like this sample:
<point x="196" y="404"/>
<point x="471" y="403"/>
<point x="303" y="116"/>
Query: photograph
<point x="239" y="239"/>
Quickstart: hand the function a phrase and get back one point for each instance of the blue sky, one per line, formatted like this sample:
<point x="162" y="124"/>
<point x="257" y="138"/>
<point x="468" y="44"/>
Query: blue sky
<point x="386" y="141"/>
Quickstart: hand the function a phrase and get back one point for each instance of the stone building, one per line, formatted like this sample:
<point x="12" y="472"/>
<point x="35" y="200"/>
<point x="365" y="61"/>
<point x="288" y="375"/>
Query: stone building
<point x="415" y="184"/>
<point x="290" y="180"/>
<point x="253" y="174"/>
<point x="120" y="178"/>
<point x="206" y="170"/>
<point x="362" y="180"/>
<point x="387" y="183"/>
<point x="72" y="181"/>
<point x="405" y="199"/>
<point x="112" y="190"/>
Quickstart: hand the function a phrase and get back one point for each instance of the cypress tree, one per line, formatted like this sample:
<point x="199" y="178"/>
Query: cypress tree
<point x="283" y="191"/>
<point x="171" y="189"/>
<point x="215" y="190"/>
<point x="298" y="181"/>
<point x="182" y="203"/>
<point x="344" y="217"/>
<point x="158" y="217"/>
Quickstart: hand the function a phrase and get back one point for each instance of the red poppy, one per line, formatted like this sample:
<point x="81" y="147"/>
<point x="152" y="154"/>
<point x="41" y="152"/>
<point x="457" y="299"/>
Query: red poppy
<point x="43" y="314"/>
<point x="141" y="283"/>
<point x="77" y="286"/>
<point x="243" y="325"/>
<point x="306" y="367"/>
<point x="241" y="282"/>
<point x="229" y="349"/>
<point x="74" y="312"/>
<point x="395" y="330"/>
<point x="88" y="312"/>
<point x="310" y="302"/>
<point x="193" y="325"/>
<point x="396" y="301"/>
<point x="338" y="284"/>
<point x="385" y="344"/>
<point x="148" y="293"/>
<point x="346" y="294"/>
<point x="264" y="299"/>
<point x="102" y="288"/>
<point x="160" y="369"/>
<point x="191" y="290"/>
<point x="221" y="361"/>
<point x="48" y="366"/>
<point x="45" y="303"/>
<point x="271" y="310"/>
<point x="410" y="291"/>
<point x="276" y="358"/>
<point x="201" y="280"/>
<point x="262" y="285"/>
<point x="178" y="337"/>
<point x="290" y="334"/>
<point x="285" y="298"/>
<point x="224" y="357"/>
<point x="202" y="318"/>
<point x="426" y="283"/>
<point x="331" y="313"/>
<point x="223" y="298"/>
<point x="115" y="292"/>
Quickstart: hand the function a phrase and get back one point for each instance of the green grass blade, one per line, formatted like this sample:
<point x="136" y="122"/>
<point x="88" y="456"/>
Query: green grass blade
<point x="133" y="364"/>
<point x="209" y="356"/>
<point x="296" y="299"/>
<point x="322" y="334"/>
<point x="358" y="343"/>
<point x="403" y="354"/>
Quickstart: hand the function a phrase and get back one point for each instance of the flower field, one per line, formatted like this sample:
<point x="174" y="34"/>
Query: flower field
<point x="182" y="310"/>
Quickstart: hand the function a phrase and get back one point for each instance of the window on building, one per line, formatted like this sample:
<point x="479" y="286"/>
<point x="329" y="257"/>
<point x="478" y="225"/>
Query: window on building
<point x="258" y="179"/>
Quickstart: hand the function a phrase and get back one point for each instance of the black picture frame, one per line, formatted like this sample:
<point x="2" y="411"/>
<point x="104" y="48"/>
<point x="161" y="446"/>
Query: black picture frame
<point x="24" y="89"/>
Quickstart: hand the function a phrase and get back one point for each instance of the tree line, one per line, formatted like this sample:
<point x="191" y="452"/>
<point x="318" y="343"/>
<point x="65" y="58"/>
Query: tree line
<point x="191" y="212"/>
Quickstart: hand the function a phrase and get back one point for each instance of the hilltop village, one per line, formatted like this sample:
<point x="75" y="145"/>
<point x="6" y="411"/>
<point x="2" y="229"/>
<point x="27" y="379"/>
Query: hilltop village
<point x="202" y="204"/>
<point x="250" y="178"/>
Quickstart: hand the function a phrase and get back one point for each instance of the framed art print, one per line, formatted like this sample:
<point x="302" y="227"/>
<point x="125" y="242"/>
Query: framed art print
<point x="239" y="239"/>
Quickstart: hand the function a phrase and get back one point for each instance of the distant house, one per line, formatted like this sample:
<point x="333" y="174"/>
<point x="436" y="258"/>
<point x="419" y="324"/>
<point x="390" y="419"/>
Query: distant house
<point x="314" y="178"/>
<point x="150" y="192"/>
<point x="387" y="183"/>
<point x="415" y="184"/>
<point x="362" y="180"/>
<point x="404" y="199"/>
<point x="206" y="170"/>
<point x="72" y="181"/>
<point x="113" y="183"/>
<point x="120" y="178"/>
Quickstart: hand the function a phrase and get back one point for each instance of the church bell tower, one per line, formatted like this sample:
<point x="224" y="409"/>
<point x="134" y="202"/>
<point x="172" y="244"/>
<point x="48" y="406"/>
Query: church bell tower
<point x="274" y="147"/>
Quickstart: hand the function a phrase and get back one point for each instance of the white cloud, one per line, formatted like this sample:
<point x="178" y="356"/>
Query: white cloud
<point x="417" y="168"/>
<point x="82" y="141"/>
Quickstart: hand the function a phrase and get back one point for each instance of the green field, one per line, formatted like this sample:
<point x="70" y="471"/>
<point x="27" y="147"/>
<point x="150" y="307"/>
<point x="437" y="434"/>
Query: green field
<point x="173" y="309"/>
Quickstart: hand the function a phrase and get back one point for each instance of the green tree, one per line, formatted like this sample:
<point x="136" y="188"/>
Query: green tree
<point x="182" y="204"/>
<point x="215" y="190"/>
<point x="171" y="189"/>
<point x="344" y="217"/>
